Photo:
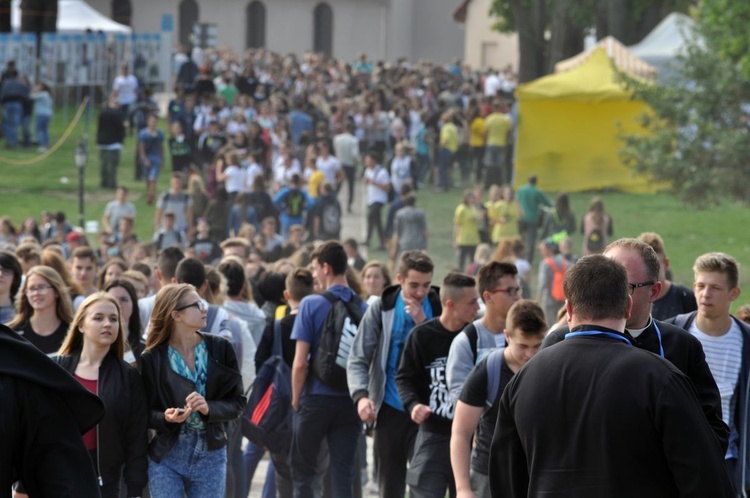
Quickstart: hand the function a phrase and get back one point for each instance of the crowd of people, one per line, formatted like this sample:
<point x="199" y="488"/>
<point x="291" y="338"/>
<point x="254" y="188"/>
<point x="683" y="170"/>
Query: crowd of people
<point x="245" y="267"/>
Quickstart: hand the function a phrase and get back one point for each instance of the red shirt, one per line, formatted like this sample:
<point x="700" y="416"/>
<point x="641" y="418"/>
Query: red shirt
<point x="89" y="439"/>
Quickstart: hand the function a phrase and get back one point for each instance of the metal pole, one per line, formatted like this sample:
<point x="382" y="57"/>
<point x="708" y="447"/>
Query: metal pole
<point x="81" y="222"/>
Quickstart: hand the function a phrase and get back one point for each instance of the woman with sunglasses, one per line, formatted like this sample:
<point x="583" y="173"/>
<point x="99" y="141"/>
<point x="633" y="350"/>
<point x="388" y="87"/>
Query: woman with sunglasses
<point x="194" y="388"/>
<point x="93" y="353"/>
<point x="44" y="309"/>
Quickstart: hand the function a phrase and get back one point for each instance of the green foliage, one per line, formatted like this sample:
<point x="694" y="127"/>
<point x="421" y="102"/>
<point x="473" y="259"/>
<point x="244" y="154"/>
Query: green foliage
<point x="699" y="140"/>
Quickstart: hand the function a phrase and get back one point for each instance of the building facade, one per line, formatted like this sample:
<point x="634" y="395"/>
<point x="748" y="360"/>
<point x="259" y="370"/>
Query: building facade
<point x="383" y="29"/>
<point x="485" y="47"/>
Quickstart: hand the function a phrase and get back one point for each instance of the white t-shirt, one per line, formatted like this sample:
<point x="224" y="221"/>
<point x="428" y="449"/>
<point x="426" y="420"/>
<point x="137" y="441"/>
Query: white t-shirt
<point x="126" y="87"/>
<point x="400" y="172"/>
<point x="235" y="181"/>
<point x="253" y="170"/>
<point x="283" y="175"/>
<point x="379" y="175"/>
<point x="724" y="358"/>
<point x="329" y="167"/>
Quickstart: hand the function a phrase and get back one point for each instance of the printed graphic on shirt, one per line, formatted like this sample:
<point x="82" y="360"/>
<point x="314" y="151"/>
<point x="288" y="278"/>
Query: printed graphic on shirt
<point x="440" y="400"/>
<point x="345" y="344"/>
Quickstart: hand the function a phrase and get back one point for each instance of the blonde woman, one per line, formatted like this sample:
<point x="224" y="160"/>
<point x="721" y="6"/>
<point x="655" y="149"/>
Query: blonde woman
<point x="93" y="353"/>
<point x="194" y="389"/>
<point x="44" y="309"/>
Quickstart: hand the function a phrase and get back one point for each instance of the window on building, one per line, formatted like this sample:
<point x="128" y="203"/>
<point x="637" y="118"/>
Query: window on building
<point x="323" y="29"/>
<point x="256" y="25"/>
<point x="188" y="14"/>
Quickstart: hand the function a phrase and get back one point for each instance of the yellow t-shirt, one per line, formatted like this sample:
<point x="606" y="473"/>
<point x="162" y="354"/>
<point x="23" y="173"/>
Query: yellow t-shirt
<point x="504" y="218"/>
<point x="466" y="220"/>
<point x="449" y="137"/>
<point x="477" y="132"/>
<point x="498" y="126"/>
<point x="314" y="182"/>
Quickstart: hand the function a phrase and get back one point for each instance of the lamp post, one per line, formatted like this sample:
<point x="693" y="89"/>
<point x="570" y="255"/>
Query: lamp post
<point x="80" y="157"/>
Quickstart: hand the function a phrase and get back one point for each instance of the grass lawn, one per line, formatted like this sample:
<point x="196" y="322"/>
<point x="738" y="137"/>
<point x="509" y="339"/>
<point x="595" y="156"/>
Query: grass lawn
<point x="687" y="232"/>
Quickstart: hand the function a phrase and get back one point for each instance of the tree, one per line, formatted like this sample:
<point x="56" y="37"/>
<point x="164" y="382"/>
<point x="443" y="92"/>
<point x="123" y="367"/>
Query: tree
<point x="567" y="22"/>
<point x="698" y="140"/>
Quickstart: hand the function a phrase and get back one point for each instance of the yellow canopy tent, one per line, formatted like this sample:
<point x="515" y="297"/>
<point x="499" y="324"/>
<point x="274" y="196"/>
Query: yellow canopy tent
<point x="568" y="129"/>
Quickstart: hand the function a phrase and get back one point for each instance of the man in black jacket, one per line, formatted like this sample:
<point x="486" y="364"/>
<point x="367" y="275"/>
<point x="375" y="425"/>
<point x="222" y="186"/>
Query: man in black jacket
<point x="423" y="387"/>
<point x="43" y="413"/>
<point x="679" y="347"/>
<point x="110" y="136"/>
<point x="595" y="416"/>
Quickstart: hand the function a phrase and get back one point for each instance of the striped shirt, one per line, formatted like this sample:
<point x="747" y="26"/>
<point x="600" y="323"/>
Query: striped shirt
<point x="724" y="358"/>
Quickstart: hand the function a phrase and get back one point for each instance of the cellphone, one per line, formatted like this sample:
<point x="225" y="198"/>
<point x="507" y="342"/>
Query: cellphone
<point x="180" y="411"/>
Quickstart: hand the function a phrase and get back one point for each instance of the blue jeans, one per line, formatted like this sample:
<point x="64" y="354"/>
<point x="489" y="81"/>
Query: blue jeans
<point x="41" y="130"/>
<point x="189" y="468"/>
<point x="13" y="117"/>
<point x="335" y="419"/>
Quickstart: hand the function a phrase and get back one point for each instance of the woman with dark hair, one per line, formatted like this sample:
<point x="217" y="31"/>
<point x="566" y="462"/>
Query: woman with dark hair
<point x="559" y="222"/>
<point x="125" y="294"/>
<point x="194" y="388"/>
<point x="93" y="354"/>
<point x="596" y="227"/>
<point x="271" y="287"/>
<point x="11" y="275"/>
<point x="44" y="309"/>
<point x="239" y="300"/>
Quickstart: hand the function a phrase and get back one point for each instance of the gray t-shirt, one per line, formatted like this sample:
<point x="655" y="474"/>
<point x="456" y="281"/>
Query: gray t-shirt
<point x="115" y="210"/>
<point x="411" y="224"/>
<point x="178" y="204"/>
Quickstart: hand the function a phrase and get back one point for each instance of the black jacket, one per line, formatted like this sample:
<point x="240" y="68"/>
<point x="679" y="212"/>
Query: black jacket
<point x="111" y="130"/>
<point x="167" y="389"/>
<point x="43" y="413"/>
<point x="686" y="353"/>
<point x="122" y="432"/>
<point x="594" y="417"/>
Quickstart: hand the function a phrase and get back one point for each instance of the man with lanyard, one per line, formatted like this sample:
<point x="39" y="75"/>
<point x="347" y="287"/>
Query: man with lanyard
<point x="322" y="411"/>
<point x="613" y="420"/>
<point x="379" y="343"/>
<point x="499" y="289"/>
<point x="670" y="342"/>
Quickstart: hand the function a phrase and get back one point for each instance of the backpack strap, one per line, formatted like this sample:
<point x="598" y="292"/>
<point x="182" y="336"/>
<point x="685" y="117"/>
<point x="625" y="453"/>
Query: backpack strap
<point x="551" y="263"/>
<point x="473" y="335"/>
<point x="276" y="351"/>
<point x="494" y="376"/>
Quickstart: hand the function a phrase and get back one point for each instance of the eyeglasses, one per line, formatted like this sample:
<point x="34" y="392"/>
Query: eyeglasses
<point x="633" y="287"/>
<point x="6" y="272"/>
<point x="511" y="291"/>
<point x="38" y="290"/>
<point x="201" y="305"/>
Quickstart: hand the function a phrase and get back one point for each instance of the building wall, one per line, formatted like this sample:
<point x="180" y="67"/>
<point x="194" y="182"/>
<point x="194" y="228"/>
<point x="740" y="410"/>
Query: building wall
<point x="485" y="47"/>
<point x="383" y="29"/>
<point x="435" y="35"/>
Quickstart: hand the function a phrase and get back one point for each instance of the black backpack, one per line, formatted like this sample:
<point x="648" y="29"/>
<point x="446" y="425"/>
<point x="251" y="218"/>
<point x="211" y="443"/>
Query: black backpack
<point x="295" y="203"/>
<point x="267" y="419"/>
<point x="330" y="219"/>
<point x="339" y="330"/>
<point x="595" y="241"/>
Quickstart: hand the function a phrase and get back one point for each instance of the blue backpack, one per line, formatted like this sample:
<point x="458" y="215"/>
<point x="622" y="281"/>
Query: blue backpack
<point x="267" y="419"/>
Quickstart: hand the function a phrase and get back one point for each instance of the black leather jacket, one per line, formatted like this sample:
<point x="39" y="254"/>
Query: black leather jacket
<point x="122" y="434"/>
<point x="167" y="389"/>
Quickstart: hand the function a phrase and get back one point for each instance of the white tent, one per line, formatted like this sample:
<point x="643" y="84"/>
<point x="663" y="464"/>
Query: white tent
<point x="666" y="41"/>
<point x="75" y="16"/>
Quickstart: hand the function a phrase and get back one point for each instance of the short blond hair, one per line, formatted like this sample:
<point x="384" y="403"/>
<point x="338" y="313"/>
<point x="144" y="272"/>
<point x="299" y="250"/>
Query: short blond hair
<point x="718" y="262"/>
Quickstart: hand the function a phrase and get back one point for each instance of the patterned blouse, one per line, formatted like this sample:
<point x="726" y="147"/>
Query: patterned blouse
<point x="199" y="376"/>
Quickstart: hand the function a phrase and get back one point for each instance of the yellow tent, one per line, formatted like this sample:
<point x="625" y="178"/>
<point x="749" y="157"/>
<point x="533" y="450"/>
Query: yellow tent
<point x="623" y="58"/>
<point x="568" y="129"/>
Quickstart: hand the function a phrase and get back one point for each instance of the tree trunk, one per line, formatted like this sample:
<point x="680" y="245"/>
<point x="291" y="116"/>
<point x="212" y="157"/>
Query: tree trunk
<point x="5" y="26"/>
<point x="122" y="11"/>
<point x="530" y="20"/>
<point x="38" y="16"/>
